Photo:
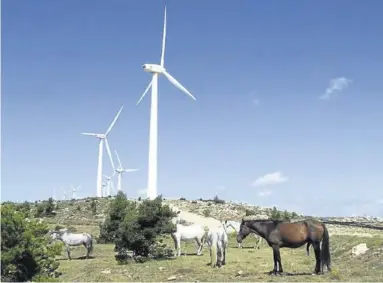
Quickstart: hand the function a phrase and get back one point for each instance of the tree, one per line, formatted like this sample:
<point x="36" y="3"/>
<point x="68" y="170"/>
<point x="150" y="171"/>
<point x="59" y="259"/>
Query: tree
<point x="93" y="207"/>
<point x="117" y="212"/>
<point x="25" y="253"/>
<point x="275" y="214"/>
<point x="143" y="226"/>
<point x="286" y="216"/>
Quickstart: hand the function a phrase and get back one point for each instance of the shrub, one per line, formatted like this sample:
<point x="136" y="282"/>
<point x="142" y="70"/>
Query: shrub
<point x="275" y="214"/>
<point x="250" y="212"/>
<point x="45" y="208"/>
<point x="286" y="216"/>
<point x="25" y="253"/>
<point x="93" y="207"/>
<point x="207" y="212"/>
<point x="117" y="212"/>
<point x="182" y="198"/>
<point x="143" y="226"/>
<point x="294" y="215"/>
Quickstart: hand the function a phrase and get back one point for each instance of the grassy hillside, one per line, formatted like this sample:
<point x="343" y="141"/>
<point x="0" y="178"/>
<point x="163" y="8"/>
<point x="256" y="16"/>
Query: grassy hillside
<point x="247" y="264"/>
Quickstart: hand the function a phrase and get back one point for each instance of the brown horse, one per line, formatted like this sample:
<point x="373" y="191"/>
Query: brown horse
<point x="279" y="234"/>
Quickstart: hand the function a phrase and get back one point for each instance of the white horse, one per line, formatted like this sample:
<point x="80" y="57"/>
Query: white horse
<point x="218" y="241"/>
<point x="71" y="239"/>
<point x="235" y="228"/>
<point x="185" y="233"/>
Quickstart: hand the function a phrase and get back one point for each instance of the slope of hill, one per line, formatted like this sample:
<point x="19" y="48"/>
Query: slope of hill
<point x="246" y="264"/>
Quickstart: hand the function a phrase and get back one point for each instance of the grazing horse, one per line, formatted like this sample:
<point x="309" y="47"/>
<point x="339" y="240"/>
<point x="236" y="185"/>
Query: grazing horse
<point x="279" y="234"/>
<point x="185" y="233"/>
<point x="218" y="242"/>
<point x="72" y="239"/>
<point x="235" y="226"/>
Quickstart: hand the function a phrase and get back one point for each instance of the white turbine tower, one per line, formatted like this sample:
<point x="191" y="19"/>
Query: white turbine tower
<point x="120" y="170"/>
<point x="157" y="70"/>
<point x="103" y="137"/>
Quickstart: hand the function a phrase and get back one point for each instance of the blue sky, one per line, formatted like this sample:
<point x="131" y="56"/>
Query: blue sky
<point x="258" y="70"/>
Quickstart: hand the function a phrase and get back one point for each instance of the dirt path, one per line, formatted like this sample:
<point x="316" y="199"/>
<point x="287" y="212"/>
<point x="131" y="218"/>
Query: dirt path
<point x="195" y="218"/>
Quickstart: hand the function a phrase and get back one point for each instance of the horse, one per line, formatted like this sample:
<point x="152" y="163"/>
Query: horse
<point x="74" y="239"/>
<point x="217" y="240"/>
<point x="279" y="234"/>
<point x="184" y="233"/>
<point x="235" y="226"/>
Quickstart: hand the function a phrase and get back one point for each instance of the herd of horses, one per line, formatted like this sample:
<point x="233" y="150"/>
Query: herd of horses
<point x="278" y="234"/>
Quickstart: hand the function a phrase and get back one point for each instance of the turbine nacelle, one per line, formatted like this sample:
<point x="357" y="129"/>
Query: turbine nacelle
<point x="153" y="68"/>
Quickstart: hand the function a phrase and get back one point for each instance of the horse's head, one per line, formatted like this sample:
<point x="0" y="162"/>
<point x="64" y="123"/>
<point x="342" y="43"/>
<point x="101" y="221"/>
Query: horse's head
<point x="224" y="225"/>
<point x="243" y="232"/>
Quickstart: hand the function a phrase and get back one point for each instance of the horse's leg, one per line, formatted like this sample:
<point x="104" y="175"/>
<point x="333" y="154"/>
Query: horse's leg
<point x="199" y="245"/>
<point x="179" y="246"/>
<point x="87" y="250"/>
<point x="275" y="257"/>
<point x="279" y="260"/>
<point x="316" y="246"/>
<point x="224" y="254"/>
<point x="68" y="252"/>
<point x="175" y="245"/>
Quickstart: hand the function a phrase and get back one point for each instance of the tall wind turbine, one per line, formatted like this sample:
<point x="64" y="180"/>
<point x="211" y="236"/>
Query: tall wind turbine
<point x="103" y="137"/>
<point x="120" y="170"/>
<point x="157" y="70"/>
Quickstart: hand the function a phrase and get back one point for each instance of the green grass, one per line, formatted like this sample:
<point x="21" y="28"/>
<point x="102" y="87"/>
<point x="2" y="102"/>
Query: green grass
<point x="253" y="263"/>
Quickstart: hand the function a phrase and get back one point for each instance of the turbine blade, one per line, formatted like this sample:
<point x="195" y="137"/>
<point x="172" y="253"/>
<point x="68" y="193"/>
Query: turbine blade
<point x="108" y="150"/>
<point x="89" y="134"/>
<point x="114" y="120"/>
<point x="146" y="90"/>
<point x="118" y="158"/>
<point x="163" y="41"/>
<point x="178" y="84"/>
<point x="131" y="170"/>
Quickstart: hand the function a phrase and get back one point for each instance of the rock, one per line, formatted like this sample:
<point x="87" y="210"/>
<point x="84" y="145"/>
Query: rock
<point x="171" y="278"/>
<point x="239" y="273"/>
<point x="106" y="271"/>
<point x="359" y="249"/>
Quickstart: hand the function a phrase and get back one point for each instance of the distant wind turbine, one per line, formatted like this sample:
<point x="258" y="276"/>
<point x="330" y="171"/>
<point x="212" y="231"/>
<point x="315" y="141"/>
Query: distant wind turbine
<point x="103" y="137"/>
<point x="156" y="70"/>
<point x="109" y="183"/>
<point x="120" y="170"/>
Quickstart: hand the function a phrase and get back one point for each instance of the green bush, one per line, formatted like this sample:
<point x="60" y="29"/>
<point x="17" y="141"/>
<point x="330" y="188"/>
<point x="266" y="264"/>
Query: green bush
<point x="250" y="212"/>
<point x="276" y="214"/>
<point x="25" y="251"/>
<point x="45" y="208"/>
<point x="142" y="228"/>
<point x="93" y="207"/>
<point x="117" y="213"/>
<point x="207" y="212"/>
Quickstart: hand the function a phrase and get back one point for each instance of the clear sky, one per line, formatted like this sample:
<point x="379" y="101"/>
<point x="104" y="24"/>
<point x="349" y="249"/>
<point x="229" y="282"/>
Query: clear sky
<point x="288" y="90"/>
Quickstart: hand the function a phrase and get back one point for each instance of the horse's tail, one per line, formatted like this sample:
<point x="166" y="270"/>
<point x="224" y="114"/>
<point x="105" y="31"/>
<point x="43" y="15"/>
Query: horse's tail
<point x="90" y="243"/>
<point x="325" y="251"/>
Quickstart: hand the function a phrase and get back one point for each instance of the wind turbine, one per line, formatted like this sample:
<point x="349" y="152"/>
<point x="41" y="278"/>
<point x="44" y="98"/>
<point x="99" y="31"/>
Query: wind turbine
<point x="109" y="183"/>
<point x="156" y="70"/>
<point x="74" y="190"/>
<point x="103" y="137"/>
<point x="120" y="170"/>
